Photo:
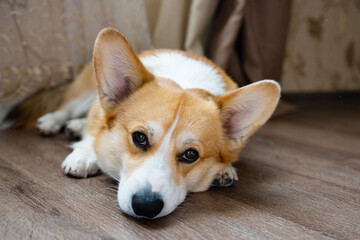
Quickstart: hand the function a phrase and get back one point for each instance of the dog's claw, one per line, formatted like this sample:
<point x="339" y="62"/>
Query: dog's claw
<point x="72" y="173"/>
<point x="222" y="181"/>
<point x="225" y="178"/>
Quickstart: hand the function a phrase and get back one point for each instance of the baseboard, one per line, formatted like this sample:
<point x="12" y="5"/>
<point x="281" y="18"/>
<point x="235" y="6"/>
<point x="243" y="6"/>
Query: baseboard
<point x="323" y="99"/>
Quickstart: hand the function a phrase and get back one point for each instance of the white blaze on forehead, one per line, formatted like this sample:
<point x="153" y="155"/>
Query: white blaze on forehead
<point x="162" y="154"/>
<point x="161" y="171"/>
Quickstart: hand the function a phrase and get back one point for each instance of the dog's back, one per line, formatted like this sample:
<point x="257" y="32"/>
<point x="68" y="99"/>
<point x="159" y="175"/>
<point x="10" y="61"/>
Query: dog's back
<point x="188" y="70"/>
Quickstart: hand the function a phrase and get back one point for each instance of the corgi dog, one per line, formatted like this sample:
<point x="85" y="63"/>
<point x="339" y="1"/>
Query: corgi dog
<point x="163" y="123"/>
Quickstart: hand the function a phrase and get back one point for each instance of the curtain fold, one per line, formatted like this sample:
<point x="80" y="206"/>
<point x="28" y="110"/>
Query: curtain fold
<point x="180" y="24"/>
<point x="45" y="43"/>
<point x="249" y="38"/>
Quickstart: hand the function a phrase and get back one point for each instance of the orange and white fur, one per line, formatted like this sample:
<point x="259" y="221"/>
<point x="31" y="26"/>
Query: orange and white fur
<point x="163" y="123"/>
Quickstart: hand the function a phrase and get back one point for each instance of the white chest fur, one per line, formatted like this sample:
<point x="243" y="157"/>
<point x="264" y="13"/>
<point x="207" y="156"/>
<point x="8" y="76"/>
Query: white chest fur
<point x="185" y="71"/>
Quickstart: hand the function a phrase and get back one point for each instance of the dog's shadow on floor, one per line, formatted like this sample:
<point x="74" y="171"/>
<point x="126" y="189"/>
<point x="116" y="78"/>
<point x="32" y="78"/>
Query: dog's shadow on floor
<point x="251" y="188"/>
<point x="219" y="201"/>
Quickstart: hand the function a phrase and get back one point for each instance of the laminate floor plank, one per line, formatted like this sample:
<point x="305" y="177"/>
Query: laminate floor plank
<point x="307" y="201"/>
<point x="340" y="168"/>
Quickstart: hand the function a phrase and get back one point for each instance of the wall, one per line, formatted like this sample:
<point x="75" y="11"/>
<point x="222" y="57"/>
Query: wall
<point x="323" y="47"/>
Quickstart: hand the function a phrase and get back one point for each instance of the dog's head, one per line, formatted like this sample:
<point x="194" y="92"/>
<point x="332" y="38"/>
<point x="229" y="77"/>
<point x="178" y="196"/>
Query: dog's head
<point x="163" y="141"/>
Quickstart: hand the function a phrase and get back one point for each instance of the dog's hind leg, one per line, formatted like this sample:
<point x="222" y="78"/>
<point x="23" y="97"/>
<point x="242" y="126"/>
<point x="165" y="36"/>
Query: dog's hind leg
<point x="51" y="123"/>
<point x="77" y="101"/>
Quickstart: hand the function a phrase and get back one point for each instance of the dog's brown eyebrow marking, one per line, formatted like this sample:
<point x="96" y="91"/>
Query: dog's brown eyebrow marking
<point x="154" y="131"/>
<point x="189" y="141"/>
<point x="150" y="130"/>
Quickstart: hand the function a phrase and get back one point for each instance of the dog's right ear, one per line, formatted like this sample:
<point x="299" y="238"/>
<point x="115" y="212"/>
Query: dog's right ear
<point x="118" y="70"/>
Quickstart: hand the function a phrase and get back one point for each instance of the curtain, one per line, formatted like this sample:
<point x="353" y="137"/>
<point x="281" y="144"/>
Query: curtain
<point x="248" y="40"/>
<point x="45" y="43"/>
<point x="180" y="24"/>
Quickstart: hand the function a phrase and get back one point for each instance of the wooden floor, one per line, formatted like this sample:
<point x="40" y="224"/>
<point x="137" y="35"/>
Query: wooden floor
<point x="299" y="178"/>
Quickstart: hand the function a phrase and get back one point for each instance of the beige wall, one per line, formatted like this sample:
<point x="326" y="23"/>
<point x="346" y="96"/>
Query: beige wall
<point x="323" y="48"/>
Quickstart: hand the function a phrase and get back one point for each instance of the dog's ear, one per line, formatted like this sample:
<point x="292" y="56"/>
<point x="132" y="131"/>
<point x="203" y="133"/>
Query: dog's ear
<point x="118" y="70"/>
<point x="245" y="110"/>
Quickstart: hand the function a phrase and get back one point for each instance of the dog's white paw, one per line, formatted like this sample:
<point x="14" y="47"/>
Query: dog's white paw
<point x="82" y="162"/>
<point x="50" y="123"/>
<point x="75" y="128"/>
<point x="226" y="177"/>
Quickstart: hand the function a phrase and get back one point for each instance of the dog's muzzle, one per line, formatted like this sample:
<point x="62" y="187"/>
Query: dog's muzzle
<point x="146" y="203"/>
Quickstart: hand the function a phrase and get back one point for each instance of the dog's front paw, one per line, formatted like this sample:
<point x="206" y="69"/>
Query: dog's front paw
<point x="49" y="124"/>
<point x="74" y="129"/>
<point x="226" y="177"/>
<point x="81" y="163"/>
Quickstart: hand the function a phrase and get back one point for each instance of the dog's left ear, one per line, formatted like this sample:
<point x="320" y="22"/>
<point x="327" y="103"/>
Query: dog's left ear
<point x="245" y="110"/>
<point x="118" y="70"/>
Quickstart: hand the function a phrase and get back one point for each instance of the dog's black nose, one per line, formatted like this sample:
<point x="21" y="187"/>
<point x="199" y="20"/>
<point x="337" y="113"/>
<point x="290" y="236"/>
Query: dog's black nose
<point x="147" y="204"/>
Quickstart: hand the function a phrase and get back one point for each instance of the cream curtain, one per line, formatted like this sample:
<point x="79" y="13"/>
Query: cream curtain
<point x="180" y="24"/>
<point x="248" y="40"/>
<point x="45" y="43"/>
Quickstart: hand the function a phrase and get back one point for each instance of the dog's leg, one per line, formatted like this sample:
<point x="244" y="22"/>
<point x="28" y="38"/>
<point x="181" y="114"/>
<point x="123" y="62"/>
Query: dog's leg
<point x="75" y="128"/>
<point x="76" y="103"/>
<point x="226" y="177"/>
<point x="82" y="162"/>
<point x="51" y="123"/>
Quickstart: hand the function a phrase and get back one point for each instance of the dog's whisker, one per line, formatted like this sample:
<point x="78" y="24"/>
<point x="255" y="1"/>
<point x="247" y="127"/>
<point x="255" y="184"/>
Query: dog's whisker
<point x="110" y="189"/>
<point x="114" y="188"/>
<point x="111" y="175"/>
<point x="113" y="191"/>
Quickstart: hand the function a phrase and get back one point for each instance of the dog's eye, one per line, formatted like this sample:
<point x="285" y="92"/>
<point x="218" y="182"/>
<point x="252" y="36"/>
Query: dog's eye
<point x="189" y="156"/>
<point x="140" y="140"/>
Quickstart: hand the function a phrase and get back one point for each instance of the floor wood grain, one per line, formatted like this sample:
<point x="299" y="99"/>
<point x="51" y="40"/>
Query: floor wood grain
<point x="299" y="178"/>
